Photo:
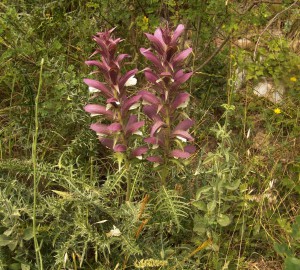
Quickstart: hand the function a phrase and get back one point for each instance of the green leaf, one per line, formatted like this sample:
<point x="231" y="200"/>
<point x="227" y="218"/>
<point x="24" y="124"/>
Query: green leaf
<point x="200" y="225"/>
<point x="296" y="229"/>
<point x="5" y="240"/>
<point x="25" y="266"/>
<point x="203" y="190"/>
<point x="13" y="244"/>
<point x="28" y="233"/>
<point x="282" y="249"/>
<point x="291" y="263"/>
<point x="200" y="205"/>
<point x="14" y="266"/>
<point x="233" y="186"/>
<point x="211" y="206"/>
<point x="171" y="206"/>
<point x="223" y="220"/>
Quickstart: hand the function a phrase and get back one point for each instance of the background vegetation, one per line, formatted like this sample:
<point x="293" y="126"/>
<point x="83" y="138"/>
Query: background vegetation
<point x="235" y="205"/>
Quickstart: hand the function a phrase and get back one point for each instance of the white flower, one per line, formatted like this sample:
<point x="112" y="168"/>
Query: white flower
<point x="131" y="81"/>
<point x="138" y="132"/>
<point x="134" y="106"/>
<point x="93" y="90"/>
<point x="114" y="232"/>
<point x="181" y="138"/>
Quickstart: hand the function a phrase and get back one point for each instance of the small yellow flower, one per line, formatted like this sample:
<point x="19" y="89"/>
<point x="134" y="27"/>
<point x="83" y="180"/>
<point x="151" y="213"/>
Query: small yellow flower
<point x="145" y="20"/>
<point x="293" y="79"/>
<point x="277" y="111"/>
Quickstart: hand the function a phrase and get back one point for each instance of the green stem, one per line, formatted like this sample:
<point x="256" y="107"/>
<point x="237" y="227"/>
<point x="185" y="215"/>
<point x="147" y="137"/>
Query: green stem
<point x="165" y="170"/>
<point x="38" y="254"/>
<point x="128" y="180"/>
<point x="126" y="161"/>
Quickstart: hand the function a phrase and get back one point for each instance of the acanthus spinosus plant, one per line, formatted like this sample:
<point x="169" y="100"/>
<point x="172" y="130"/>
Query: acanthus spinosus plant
<point x="169" y="131"/>
<point x="122" y="124"/>
<point x="169" y="134"/>
<point x="117" y="110"/>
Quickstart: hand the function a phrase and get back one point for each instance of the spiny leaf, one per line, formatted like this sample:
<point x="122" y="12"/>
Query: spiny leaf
<point x="171" y="205"/>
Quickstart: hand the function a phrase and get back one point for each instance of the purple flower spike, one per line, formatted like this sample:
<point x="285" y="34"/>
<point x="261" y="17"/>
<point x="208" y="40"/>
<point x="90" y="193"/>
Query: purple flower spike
<point x="166" y="97"/>
<point x="114" y="135"/>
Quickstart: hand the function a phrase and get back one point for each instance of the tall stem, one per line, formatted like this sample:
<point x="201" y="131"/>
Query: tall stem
<point x="126" y="161"/>
<point x="128" y="180"/>
<point x="38" y="254"/>
<point x="165" y="170"/>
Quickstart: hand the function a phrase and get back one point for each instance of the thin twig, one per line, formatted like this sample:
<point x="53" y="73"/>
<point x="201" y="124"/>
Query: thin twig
<point x="269" y="24"/>
<point x="214" y="53"/>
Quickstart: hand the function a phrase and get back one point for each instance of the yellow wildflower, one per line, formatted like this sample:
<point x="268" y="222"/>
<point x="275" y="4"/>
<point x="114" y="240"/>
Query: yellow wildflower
<point x="293" y="79"/>
<point x="145" y="20"/>
<point x="277" y="111"/>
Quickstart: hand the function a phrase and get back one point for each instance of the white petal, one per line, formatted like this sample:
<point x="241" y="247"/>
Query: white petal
<point x="134" y="106"/>
<point x="138" y="132"/>
<point x="131" y="81"/>
<point x="93" y="90"/>
<point x="181" y="139"/>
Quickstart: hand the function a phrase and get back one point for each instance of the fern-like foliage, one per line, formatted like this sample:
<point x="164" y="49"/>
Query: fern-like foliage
<point x="171" y="207"/>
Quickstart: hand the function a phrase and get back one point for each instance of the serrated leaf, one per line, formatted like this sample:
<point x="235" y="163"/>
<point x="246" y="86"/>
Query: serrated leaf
<point x="223" y="220"/>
